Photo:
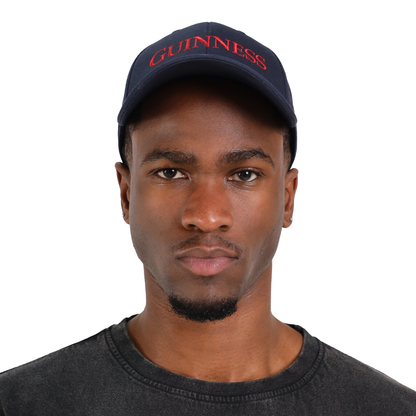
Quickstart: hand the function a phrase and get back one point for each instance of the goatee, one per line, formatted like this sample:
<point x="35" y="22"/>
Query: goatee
<point x="203" y="311"/>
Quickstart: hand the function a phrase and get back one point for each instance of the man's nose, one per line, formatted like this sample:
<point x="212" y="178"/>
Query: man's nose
<point x="208" y="208"/>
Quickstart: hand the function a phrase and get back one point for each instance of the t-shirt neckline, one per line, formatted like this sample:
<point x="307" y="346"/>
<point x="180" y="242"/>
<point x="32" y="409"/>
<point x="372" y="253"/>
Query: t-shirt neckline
<point x="299" y="373"/>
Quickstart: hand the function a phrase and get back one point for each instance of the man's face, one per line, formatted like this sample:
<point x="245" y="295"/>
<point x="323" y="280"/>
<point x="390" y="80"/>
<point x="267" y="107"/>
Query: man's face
<point x="207" y="194"/>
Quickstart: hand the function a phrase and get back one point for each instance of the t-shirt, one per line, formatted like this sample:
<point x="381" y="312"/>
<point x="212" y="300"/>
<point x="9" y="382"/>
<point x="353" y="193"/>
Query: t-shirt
<point x="106" y="375"/>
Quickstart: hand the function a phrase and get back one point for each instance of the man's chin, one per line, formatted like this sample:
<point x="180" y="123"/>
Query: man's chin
<point x="203" y="310"/>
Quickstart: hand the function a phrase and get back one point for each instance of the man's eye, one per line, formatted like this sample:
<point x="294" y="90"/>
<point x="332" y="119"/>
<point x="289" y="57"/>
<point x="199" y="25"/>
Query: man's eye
<point x="170" y="174"/>
<point x="244" y="176"/>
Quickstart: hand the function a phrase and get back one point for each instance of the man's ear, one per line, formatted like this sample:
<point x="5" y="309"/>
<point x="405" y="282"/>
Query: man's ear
<point x="291" y="183"/>
<point x="123" y="177"/>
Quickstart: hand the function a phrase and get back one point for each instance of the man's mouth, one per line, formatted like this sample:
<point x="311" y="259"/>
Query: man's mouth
<point x="206" y="266"/>
<point x="206" y="261"/>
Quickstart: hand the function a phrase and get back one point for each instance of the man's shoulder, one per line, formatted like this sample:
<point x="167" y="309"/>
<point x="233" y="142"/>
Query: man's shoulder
<point x="343" y="366"/>
<point x="54" y="383"/>
<point x="54" y="367"/>
<point x="364" y="384"/>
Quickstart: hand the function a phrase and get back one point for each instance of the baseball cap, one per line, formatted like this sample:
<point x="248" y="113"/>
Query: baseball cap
<point x="208" y="49"/>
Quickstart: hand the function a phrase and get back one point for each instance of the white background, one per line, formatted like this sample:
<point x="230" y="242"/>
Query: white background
<point x="346" y="268"/>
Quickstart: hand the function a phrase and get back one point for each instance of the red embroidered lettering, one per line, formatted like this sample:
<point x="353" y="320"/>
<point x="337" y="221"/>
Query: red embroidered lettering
<point x="162" y="57"/>
<point x="188" y="41"/>
<point x="238" y="48"/>
<point x="226" y="46"/>
<point x="205" y="42"/>
<point x="249" y="55"/>
<point x="261" y="62"/>
<point x="170" y="49"/>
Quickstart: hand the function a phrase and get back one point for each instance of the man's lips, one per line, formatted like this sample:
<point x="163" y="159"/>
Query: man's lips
<point x="206" y="261"/>
<point x="206" y="266"/>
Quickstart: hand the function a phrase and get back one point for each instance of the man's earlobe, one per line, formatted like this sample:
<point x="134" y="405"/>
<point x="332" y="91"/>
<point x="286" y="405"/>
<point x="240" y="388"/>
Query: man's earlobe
<point x="123" y="177"/>
<point x="291" y="184"/>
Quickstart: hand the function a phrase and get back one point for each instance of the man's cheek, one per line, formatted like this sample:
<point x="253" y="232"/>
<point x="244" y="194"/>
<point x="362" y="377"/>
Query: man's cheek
<point x="156" y="219"/>
<point x="258" y="215"/>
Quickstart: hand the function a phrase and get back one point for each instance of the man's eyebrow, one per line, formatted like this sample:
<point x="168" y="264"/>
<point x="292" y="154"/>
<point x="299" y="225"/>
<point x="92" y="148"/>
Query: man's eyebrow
<point x="174" y="156"/>
<point x="242" y="155"/>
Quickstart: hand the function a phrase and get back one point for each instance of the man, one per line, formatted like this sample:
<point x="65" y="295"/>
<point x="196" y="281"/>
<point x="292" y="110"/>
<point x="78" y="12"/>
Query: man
<point x="207" y="136"/>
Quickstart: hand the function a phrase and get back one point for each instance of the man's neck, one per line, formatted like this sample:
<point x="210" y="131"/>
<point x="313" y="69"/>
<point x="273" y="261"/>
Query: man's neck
<point x="249" y="345"/>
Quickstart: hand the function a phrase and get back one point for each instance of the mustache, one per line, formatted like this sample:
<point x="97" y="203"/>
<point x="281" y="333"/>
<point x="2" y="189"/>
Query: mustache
<point x="198" y="240"/>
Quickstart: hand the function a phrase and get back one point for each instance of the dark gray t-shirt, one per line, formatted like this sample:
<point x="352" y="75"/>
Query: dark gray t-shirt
<point x="106" y="375"/>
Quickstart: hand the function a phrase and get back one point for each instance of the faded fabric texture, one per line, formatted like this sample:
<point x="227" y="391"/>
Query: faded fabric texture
<point x="106" y="375"/>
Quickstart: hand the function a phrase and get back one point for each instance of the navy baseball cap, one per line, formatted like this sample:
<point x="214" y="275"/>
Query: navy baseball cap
<point x="208" y="49"/>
